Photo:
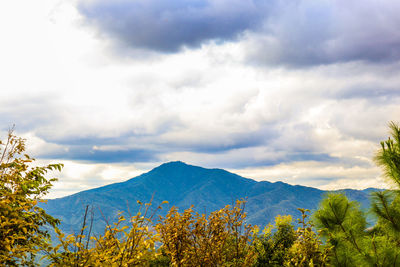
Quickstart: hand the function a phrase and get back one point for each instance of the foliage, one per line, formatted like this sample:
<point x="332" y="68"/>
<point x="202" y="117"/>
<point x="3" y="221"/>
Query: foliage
<point x="120" y="245"/>
<point x="281" y="245"/>
<point x="191" y="239"/>
<point x="388" y="156"/>
<point x="344" y="224"/>
<point x="179" y="239"/>
<point x="221" y="239"/>
<point x="274" y="242"/>
<point x="22" y="222"/>
<point x="308" y="249"/>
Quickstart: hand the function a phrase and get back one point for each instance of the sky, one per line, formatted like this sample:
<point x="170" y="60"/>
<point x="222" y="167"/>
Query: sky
<point x="298" y="91"/>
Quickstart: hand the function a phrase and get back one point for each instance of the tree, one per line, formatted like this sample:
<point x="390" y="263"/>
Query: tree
<point x="22" y="222"/>
<point x="388" y="156"/>
<point x="273" y="244"/>
<point x="308" y="249"/>
<point x="344" y="225"/>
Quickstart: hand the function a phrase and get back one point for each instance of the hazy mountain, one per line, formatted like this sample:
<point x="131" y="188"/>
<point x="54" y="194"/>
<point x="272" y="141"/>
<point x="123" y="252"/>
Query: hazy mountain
<point x="184" y="185"/>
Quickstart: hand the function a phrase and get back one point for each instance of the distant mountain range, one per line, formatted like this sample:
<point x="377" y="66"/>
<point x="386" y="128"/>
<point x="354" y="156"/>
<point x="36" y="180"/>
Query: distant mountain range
<point x="183" y="185"/>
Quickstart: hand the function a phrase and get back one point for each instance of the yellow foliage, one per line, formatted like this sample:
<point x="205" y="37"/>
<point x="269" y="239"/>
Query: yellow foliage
<point x="179" y="239"/>
<point x="116" y="247"/>
<point x="221" y="239"/>
<point x="308" y="249"/>
<point x="21" y="220"/>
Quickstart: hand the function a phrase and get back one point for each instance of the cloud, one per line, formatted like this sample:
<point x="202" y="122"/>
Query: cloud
<point x="78" y="176"/>
<point x="250" y="117"/>
<point x="27" y="110"/>
<point x="308" y="33"/>
<point x="376" y="92"/>
<point x="93" y="154"/>
<point x="167" y="26"/>
<point x="289" y="33"/>
<point x="318" y="174"/>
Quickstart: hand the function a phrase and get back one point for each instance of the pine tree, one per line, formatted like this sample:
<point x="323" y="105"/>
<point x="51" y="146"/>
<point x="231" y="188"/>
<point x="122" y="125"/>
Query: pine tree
<point x="344" y="225"/>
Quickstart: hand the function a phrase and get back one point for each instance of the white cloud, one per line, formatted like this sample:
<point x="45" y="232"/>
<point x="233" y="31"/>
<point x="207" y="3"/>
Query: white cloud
<point x="320" y="175"/>
<point x="77" y="177"/>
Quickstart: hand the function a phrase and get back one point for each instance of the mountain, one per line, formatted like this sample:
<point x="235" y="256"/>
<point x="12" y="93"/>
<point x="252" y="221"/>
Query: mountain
<point x="183" y="185"/>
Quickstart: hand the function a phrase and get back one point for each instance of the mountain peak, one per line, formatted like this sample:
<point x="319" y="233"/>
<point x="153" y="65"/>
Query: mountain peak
<point x="174" y="163"/>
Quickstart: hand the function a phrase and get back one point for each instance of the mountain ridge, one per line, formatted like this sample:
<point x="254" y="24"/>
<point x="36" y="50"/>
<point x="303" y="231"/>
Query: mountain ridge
<point x="184" y="185"/>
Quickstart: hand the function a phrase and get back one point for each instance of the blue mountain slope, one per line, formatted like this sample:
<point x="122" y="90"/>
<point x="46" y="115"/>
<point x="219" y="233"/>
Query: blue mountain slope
<point x="185" y="185"/>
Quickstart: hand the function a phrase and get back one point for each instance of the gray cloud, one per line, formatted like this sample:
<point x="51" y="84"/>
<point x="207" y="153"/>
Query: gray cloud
<point x="292" y="33"/>
<point x="169" y="25"/>
<point x="289" y="157"/>
<point x="304" y="33"/>
<point x="25" y="112"/>
<point x="89" y="154"/>
<point x="374" y="92"/>
<point x="221" y="142"/>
